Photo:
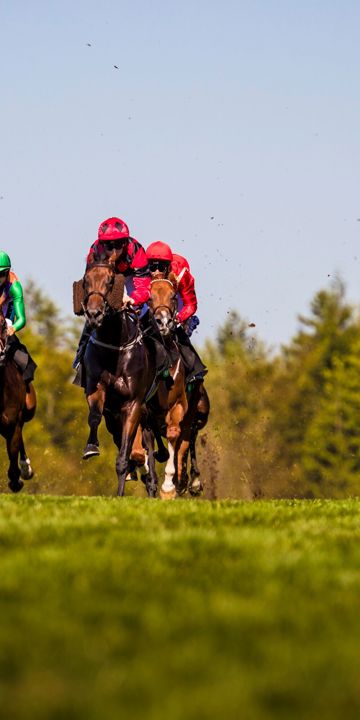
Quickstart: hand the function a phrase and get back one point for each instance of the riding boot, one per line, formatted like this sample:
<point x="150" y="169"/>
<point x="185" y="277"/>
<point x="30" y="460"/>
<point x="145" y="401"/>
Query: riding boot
<point x="21" y="356"/>
<point x="84" y="339"/>
<point x="194" y="367"/>
<point x="79" y="378"/>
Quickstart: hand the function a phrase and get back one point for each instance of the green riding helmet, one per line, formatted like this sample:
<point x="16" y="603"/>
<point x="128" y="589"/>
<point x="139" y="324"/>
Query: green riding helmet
<point x="5" y="262"/>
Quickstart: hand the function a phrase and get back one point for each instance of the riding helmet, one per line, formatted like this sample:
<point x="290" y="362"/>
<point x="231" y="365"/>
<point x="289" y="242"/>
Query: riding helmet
<point x="5" y="262"/>
<point x="159" y="251"/>
<point x="113" y="229"/>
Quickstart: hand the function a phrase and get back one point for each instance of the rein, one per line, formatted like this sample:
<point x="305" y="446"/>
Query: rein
<point x="118" y="348"/>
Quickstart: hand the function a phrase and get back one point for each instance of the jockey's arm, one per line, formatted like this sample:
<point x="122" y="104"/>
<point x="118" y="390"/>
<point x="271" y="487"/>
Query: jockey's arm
<point x="187" y="293"/>
<point x="141" y="278"/>
<point x="16" y="293"/>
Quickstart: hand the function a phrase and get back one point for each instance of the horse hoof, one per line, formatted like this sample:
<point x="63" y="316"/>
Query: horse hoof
<point x="161" y="455"/>
<point x="171" y="495"/>
<point x="16" y="485"/>
<point x="195" y="488"/>
<point x="26" y="471"/>
<point x="131" y="475"/>
<point x="90" y="451"/>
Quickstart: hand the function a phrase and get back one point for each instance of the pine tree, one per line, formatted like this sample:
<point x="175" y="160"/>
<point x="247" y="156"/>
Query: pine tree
<point x="331" y="452"/>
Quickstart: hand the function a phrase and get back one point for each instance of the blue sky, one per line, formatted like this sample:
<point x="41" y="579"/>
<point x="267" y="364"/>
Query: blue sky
<point x="228" y="129"/>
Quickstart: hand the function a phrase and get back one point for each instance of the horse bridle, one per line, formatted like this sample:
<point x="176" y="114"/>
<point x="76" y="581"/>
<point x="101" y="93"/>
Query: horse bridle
<point x="98" y="292"/>
<point x="173" y="312"/>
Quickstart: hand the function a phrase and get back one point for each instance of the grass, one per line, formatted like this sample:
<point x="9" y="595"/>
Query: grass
<point x="140" y="609"/>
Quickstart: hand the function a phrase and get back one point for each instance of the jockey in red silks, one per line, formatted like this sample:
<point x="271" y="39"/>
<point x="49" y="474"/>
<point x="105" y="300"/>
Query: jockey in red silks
<point x="162" y="261"/>
<point x="131" y="261"/>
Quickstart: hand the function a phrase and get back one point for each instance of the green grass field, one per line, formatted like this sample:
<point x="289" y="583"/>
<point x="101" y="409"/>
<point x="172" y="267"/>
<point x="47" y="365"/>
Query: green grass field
<point x="141" y="609"/>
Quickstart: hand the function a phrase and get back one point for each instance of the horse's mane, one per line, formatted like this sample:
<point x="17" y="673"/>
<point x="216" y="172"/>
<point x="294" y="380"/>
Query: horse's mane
<point x="173" y="279"/>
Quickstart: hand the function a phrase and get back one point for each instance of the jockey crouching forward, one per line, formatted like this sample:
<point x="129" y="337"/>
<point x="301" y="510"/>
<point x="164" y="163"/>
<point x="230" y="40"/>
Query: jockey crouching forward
<point x="131" y="261"/>
<point x="13" y="308"/>
<point x="162" y="261"/>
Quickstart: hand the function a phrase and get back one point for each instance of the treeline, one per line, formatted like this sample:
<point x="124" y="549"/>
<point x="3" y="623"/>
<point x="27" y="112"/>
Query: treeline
<point x="289" y="425"/>
<point x="284" y="425"/>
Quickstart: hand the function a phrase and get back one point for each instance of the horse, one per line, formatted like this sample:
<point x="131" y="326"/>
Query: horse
<point x="119" y="369"/>
<point x="188" y="412"/>
<point x="17" y="406"/>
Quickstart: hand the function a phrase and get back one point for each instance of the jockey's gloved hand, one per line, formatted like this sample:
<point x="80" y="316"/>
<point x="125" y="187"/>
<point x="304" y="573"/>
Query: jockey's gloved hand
<point x="191" y="324"/>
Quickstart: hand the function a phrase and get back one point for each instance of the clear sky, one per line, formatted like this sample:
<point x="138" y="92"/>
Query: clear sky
<point x="228" y="128"/>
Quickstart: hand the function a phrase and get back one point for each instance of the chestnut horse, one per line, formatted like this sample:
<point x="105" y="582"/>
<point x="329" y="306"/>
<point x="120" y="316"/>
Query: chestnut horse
<point x="17" y="406"/>
<point x="119" y="369"/>
<point x="187" y="413"/>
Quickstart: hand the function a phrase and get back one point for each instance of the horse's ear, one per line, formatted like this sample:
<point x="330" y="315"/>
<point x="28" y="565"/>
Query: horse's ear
<point x="78" y="296"/>
<point x="173" y="279"/>
<point x="115" y="297"/>
<point x="2" y="298"/>
<point x="113" y="257"/>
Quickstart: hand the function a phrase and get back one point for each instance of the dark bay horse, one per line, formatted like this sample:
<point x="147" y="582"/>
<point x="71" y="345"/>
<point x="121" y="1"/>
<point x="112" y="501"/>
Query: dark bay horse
<point x="119" y="369"/>
<point x="16" y="407"/>
<point x="187" y="411"/>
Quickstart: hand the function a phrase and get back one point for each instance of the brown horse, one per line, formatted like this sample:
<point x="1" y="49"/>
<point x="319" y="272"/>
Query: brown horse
<point x="119" y="369"/>
<point x="17" y="406"/>
<point x="187" y="413"/>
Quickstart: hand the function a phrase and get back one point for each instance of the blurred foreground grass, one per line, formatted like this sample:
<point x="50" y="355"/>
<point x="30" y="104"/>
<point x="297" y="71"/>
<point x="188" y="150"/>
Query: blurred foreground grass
<point x="140" y="609"/>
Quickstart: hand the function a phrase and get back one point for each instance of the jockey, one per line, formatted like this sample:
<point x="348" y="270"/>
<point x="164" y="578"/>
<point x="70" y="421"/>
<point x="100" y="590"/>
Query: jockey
<point x="131" y="261"/>
<point x="13" y="309"/>
<point x="162" y="261"/>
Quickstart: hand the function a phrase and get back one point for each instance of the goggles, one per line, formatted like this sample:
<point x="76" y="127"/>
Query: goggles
<point x="115" y="244"/>
<point x="160" y="265"/>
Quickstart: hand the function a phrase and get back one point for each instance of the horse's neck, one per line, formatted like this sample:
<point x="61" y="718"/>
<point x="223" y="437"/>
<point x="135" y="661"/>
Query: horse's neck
<point x="117" y="329"/>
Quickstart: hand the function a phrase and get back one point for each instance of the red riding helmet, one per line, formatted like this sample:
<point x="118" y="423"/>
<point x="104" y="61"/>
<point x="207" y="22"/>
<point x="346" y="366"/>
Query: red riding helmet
<point x="113" y="229"/>
<point x="159" y="251"/>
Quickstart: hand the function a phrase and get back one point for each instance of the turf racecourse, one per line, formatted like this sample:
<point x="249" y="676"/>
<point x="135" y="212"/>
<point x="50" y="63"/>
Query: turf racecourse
<point x="141" y="609"/>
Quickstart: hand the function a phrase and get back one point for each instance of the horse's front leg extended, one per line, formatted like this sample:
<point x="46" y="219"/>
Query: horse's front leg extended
<point x="13" y="442"/>
<point x="96" y="402"/>
<point x="131" y="413"/>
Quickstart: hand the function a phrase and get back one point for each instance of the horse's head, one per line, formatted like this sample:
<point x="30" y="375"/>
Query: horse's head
<point x="99" y="292"/>
<point x="163" y="303"/>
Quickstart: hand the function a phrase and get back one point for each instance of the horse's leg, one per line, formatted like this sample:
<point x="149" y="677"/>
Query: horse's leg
<point x="162" y="453"/>
<point x="148" y="473"/>
<point x="168" y="489"/>
<point x="96" y="402"/>
<point x="30" y="403"/>
<point x="137" y="450"/>
<point x="26" y="470"/>
<point x="131" y="413"/>
<point x="13" y="442"/>
<point x="182" y="450"/>
<point x="201" y="418"/>
<point x="195" y="485"/>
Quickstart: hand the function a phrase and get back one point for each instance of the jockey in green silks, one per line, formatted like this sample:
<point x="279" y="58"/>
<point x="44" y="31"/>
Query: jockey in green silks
<point x="13" y="308"/>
